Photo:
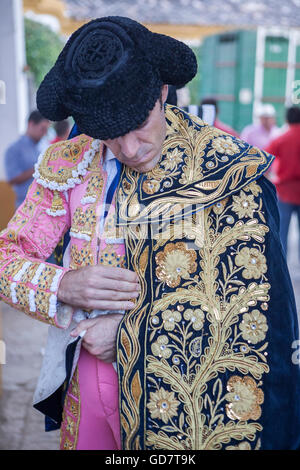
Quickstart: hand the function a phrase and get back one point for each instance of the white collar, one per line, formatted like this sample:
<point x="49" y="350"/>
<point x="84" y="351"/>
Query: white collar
<point x="108" y="155"/>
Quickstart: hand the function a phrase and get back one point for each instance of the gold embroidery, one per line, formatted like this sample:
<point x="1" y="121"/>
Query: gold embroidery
<point x="254" y="327"/>
<point x="42" y="302"/>
<point x="80" y="257"/>
<point x="163" y="405"/>
<point x="94" y="187"/>
<point x="244" y="397"/>
<point x="22" y="294"/>
<point x="71" y="415"/>
<point x="57" y="206"/>
<point x="253" y="261"/>
<point x="46" y="277"/>
<point x="205" y="149"/>
<point x="208" y="323"/>
<point x="244" y="205"/>
<point x="175" y="262"/>
<point x="108" y="257"/>
<point x="14" y="267"/>
<point x="65" y="152"/>
<point x="5" y="286"/>
<point x="83" y="223"/>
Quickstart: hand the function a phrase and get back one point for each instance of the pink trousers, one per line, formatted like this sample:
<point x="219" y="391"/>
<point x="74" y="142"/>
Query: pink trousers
<point x="99" y="425"/>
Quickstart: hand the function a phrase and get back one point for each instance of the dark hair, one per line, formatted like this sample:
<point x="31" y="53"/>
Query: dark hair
<point x="61" y="127"/>
<point x="210" y="100"/>
<point x="36" y="117"/>
<point x="293" y="115"/>
<point x="172" y="95"/>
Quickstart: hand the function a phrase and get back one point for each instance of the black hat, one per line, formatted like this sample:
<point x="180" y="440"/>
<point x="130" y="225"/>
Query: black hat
<point x="109" y="76"/>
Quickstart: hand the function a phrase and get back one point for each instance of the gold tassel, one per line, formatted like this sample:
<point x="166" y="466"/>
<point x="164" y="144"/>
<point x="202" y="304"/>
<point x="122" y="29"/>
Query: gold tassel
<point x="57" y="207"/>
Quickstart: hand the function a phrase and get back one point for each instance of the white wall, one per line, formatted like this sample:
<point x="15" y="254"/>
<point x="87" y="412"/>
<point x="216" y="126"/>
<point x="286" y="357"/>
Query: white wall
<point x="13" y="114"/>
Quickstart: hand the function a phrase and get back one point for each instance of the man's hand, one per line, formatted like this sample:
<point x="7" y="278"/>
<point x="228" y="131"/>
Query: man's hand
<point x="99" y="287"/>
<point x="100" y="337"/>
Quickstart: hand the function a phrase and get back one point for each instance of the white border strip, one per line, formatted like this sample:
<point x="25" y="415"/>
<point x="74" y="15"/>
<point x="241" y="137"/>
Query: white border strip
<point x="55" y="280"/>
<point x="22" y="271"/>
<point x="32" y="306"/>
<point x="39" y="271"/>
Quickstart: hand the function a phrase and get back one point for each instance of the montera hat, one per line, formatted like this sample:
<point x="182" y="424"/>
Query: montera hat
<point x="109" y="75"/>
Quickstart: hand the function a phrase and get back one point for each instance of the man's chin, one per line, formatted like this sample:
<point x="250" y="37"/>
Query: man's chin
<point x="144" y="167"/>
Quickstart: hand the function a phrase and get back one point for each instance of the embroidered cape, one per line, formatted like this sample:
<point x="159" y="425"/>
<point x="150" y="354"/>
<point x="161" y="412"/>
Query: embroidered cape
<point x="199" y="355"/>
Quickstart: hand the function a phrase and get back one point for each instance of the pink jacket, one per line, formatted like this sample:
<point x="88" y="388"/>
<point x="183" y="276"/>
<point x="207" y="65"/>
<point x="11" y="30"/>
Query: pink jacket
<point x="66" y="193"/>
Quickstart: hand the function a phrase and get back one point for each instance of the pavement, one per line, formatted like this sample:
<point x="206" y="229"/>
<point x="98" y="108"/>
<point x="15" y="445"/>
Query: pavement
<point x="21" y="426"/>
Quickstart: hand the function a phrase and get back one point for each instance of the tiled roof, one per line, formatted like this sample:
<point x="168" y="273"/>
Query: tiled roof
<point x="196" y="12"/>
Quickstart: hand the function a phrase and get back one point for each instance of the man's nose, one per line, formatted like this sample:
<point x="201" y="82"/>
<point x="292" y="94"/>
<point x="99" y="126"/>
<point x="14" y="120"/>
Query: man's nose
<point x="129" y="144"/>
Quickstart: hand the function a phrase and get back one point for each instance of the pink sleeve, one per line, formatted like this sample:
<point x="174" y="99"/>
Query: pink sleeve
<point x="27" y="282"/>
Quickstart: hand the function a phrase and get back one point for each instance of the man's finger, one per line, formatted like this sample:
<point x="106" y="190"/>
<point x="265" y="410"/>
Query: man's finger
<point x="82" y="327"/>
<point x="119" y="274"/>
<point x="100" y="294"/>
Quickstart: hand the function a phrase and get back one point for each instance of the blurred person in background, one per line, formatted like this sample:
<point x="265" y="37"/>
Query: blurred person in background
<point x="62" y="130"/>
<point x="21" y="156"/>
<point x="261" y="133"/>
<point x="219" y="124"/>
<point x="286" y="172"/>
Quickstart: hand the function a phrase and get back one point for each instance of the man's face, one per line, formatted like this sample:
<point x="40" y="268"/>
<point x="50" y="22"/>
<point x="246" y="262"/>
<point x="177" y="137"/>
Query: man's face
<point x="141" y="149"/>
<point x="267" y="122"/>
<point x="37" y="131"/>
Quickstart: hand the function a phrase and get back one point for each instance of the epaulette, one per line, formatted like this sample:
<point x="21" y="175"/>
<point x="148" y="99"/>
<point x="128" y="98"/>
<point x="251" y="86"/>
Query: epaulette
<point x="59" y="167"/>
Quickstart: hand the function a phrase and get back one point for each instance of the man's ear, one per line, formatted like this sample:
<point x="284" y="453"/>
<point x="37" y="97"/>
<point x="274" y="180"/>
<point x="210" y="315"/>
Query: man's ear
<point x="164" y="93"/>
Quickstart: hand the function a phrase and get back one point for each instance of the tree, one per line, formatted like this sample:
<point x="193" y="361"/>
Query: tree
<point x="42" y="48"/>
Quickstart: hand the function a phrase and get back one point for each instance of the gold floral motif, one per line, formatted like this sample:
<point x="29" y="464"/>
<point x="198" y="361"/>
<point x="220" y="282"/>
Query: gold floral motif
<point x="225" y="145"/>
<point x="253" y="261"/>
<point x="245" y="398"/>
<point x="219" y="207"/>
<point x="175" y="262"/>
<point x="241" y="446"/>
<point x="163" y="405"/>
<point x="173" y="158"/>
<point x="196" y="317"/>
<point x="171" y="317"/>
<point x="254" y="326"/>
<point x="254" y="188"/>
<point x="80" y="257"/>
<point x="159" y="348"/>
<point x="151" y="186"/>
<point x="244" y="205"/>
